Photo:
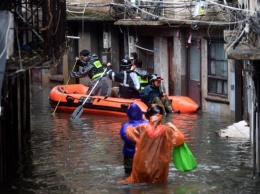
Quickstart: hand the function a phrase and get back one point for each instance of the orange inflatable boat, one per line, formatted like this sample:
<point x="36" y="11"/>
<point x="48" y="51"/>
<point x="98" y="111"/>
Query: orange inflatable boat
<point x="69" y="97"/>
<point x="184" y="104"/>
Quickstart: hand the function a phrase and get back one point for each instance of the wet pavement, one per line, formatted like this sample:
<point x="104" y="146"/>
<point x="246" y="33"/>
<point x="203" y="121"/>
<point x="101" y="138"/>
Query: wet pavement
<point x="85" y="156"/>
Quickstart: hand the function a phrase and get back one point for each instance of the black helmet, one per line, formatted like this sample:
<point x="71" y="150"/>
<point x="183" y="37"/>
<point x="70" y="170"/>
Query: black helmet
<point x="154" y="77"/>
<point x="126" y="64"/>
<point x="154" y="110"/>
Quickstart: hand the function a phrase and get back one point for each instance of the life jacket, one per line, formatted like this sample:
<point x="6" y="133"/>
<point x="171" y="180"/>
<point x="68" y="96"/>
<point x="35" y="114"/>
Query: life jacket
<point x="97" y="69"/>
<point x="143" y="82"/>
<point x="126" y="88"/>
<point x="143" y="77"/>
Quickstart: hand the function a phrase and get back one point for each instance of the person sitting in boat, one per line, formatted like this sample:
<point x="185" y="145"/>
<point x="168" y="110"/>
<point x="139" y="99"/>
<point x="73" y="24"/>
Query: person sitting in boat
<point x="152" y="94"/>
<point x="143" y="75"/>
<point x="154" y="142"/>
<point x="135" y="117"/>
<point x="129" y="84"/>
<point x="92" y="67"/>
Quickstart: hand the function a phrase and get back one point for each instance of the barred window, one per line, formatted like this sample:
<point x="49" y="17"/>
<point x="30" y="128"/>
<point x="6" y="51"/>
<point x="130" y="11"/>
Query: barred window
<point x="217" y="69"/>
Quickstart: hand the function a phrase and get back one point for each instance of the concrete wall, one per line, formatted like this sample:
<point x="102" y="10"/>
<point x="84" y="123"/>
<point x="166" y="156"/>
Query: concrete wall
<point x="66" y="70"/>
<point x="114" y="52"/>
<point x="232" y="87"/>
<point x="180" y="61"/>
<point x="204" y="73"/>
<point x="161" y="60"/>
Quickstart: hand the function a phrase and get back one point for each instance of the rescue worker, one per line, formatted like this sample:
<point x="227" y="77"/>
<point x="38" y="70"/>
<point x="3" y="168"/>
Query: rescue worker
<point x="92" y="67"/>
<point x="135" y="117"/>
<point x="152" y="94"/>
<point x="129" y="85"/>
<point x="154" y="142"/>
<point x="133" y="56"/>
<point x="143" y="75"/>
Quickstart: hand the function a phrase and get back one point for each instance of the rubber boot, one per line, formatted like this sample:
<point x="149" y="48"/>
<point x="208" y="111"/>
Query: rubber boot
<point x="169" y="109"/>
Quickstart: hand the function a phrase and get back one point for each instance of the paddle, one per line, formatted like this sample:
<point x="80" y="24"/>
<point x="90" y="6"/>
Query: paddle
<point x="64" y="90"/>
<point x="78" y="111"/>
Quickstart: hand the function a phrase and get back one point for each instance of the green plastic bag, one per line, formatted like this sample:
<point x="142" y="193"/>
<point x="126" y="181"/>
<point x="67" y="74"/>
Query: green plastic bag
<point x="183" y="159"/>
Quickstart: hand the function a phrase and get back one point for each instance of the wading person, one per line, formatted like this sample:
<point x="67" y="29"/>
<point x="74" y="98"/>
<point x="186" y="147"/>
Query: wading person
<point x="135" y="117"/>
<point x="154" y="142"/>
<point x="92" y="67"/>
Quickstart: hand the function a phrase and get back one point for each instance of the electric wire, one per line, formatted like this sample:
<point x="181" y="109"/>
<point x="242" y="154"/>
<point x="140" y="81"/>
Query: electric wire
<point x="222" y="14"/>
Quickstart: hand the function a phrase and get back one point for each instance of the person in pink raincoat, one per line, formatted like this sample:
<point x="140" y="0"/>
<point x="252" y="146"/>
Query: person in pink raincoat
<point x="154" y="142"/>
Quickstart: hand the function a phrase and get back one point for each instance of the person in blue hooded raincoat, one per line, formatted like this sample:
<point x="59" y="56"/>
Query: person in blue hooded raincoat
<point x="135" y="117"/>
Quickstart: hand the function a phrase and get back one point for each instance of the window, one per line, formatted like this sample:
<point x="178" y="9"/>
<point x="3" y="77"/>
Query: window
<point x="217" y="69"/>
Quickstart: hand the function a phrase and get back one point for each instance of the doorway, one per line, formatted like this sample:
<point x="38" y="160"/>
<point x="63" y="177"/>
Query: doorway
<point x="194" y="71"/>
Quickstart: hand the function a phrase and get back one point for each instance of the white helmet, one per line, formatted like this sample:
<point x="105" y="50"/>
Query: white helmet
<point x="155" y="77"/>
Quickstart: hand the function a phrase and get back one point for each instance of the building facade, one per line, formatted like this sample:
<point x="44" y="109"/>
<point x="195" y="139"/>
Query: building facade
<point x="182" y="43"/>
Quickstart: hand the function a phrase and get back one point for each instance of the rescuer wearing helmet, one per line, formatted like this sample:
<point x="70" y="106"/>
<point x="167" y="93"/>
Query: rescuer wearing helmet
<point x="92" y="67"/>
<point x="133" y="56"/>
<point x="152" y="94"/>
<point x="129" y="84"/>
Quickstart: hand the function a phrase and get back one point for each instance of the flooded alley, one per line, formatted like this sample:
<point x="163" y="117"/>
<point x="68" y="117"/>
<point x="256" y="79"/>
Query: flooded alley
<point x="85" y="156"/>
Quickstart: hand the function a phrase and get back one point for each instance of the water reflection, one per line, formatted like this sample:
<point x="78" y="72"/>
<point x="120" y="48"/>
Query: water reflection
<point x="85" y="156"/>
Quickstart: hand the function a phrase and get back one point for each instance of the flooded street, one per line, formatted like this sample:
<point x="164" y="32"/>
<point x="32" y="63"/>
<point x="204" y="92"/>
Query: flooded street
<point x="85" y="156"/>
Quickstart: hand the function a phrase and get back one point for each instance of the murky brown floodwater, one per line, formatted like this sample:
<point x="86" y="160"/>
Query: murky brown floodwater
<point x="84" y="156"/>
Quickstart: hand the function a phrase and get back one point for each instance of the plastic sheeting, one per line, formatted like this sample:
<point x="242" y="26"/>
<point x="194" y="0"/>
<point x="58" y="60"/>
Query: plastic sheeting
<point x="153" y="151"/>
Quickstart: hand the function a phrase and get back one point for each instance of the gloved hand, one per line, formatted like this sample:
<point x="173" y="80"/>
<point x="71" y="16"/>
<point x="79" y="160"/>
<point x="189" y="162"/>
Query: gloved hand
<point x="73" y="74"/>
